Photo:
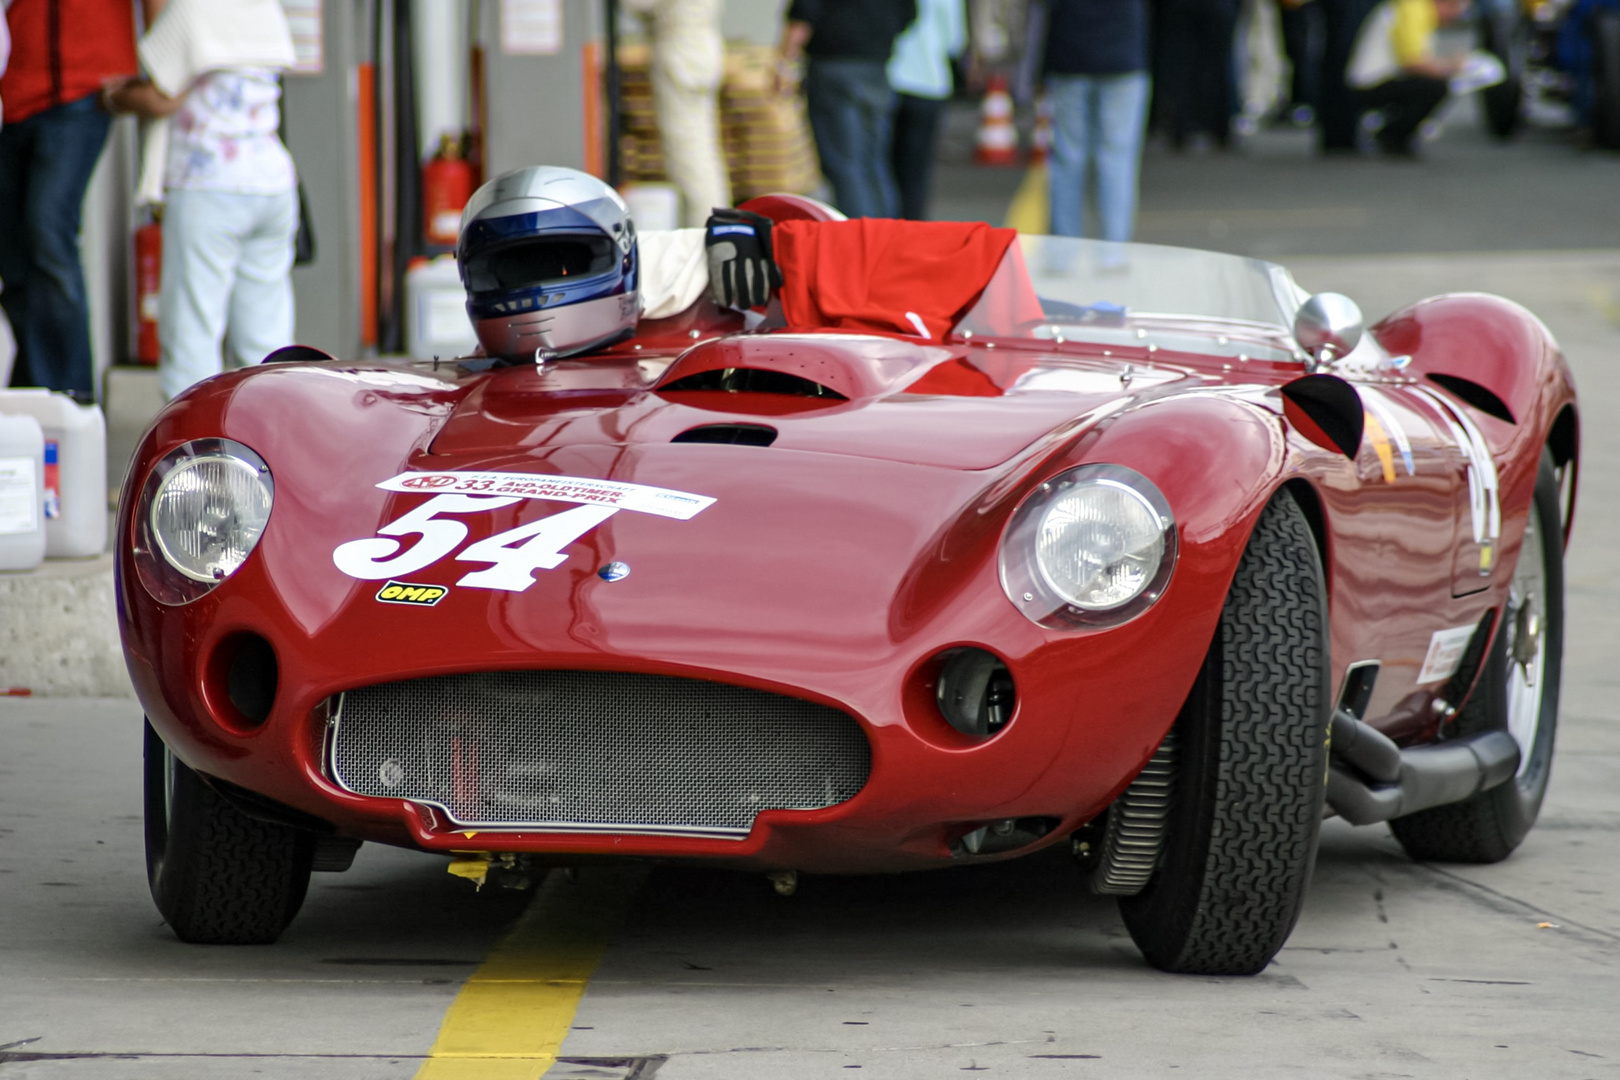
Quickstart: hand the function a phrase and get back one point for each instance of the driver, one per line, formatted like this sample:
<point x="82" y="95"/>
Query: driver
<point x="554" y="267"/>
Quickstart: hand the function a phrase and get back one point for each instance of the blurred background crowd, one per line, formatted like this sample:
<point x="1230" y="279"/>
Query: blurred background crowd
<point x="400" y="108"/>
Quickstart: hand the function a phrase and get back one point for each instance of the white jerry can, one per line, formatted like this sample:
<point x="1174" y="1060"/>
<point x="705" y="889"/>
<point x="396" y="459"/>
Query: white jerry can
<point x="436" y="322"/>
<point x="75" y="471"/>
<point x="22" y="493"/>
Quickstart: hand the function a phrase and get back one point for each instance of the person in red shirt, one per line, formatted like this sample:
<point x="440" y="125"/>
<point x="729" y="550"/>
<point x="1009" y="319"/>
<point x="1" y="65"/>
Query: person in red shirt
<point x="62" y="51"/>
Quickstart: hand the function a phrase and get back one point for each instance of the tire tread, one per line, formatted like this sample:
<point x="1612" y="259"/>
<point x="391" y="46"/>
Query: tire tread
<point x="218" y="876"/>
<point x="1230" y="912"/>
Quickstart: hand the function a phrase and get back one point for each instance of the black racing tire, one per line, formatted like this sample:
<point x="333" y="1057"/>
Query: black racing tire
<point x="218" y="876"/>
<point x="1487" y="827"/>
<point x="1250" y="789"/>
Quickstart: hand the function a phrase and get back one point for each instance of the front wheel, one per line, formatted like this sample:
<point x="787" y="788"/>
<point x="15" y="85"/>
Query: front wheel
<point x="1517" y="693"/>
<point x="218" y="876"/>
<point x="1251" y="775"/>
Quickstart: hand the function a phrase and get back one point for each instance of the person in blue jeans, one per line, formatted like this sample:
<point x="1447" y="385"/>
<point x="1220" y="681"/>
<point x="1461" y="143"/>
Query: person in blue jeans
<point x="920" y="72"/>
<point x="45" y="166"/>
<point x="846" y="46"/>
<point x="227" y="183"/>
<point x="54" y="130"/>
<point x="1096" y="75"/>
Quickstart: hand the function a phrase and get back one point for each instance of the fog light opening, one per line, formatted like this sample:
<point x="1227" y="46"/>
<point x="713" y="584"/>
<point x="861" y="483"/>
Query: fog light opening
<point x="251" y="677"/>
<point x="975" y="692"/>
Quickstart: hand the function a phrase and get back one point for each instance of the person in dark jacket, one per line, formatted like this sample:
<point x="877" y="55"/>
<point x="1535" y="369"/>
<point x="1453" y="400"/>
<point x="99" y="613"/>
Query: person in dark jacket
<point x="1336" y="113"/>
<point x="846" y="46"/>
<point x="1096" y="76"/>
<point x="1196" y="76"/>
<point x="1302" y="40"/>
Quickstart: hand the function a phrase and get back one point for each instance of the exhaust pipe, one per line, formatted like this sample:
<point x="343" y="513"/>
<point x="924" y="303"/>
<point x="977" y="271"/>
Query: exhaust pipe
<point x="1371" y="779"/>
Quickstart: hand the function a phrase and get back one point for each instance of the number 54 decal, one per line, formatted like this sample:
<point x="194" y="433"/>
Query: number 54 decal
<point x="514" y="554"/>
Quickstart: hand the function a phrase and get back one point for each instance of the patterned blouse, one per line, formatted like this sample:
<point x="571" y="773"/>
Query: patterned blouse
<point x="223" y="138"/>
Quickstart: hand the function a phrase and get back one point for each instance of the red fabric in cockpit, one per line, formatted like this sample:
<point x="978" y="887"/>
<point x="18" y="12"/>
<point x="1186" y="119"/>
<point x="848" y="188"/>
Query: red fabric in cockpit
<point x="891" y="276"/>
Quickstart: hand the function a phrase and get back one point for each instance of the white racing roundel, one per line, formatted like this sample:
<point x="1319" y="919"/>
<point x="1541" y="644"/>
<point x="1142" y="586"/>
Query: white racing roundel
<point x="515" y="554"/>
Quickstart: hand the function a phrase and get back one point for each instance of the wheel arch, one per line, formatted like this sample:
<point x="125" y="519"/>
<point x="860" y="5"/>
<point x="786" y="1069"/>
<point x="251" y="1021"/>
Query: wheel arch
<point x="1564" y="443"/>
<point x="1485" y="350"/>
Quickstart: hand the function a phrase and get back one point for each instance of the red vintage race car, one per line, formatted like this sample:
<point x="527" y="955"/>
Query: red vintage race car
<point x="1151" y="555"/>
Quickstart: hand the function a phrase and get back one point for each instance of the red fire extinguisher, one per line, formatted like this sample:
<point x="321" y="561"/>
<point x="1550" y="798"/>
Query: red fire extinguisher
<point x="447" y="184"/>
<point x="148" y="283"/>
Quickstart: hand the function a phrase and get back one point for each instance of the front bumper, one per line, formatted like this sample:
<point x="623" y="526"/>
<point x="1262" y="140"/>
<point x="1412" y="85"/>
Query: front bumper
<point x="1091" y="709"/>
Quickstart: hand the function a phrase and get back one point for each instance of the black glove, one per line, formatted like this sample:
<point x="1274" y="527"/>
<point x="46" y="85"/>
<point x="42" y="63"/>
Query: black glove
<point x="742" y="272"/>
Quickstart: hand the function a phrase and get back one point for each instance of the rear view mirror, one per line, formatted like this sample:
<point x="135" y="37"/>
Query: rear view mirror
<point x="1327" y="327"/>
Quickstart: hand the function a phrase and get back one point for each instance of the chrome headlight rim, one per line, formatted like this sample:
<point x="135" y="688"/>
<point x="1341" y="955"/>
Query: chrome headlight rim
<point x="1029" y="586"/>
<point x="161" y="573"/>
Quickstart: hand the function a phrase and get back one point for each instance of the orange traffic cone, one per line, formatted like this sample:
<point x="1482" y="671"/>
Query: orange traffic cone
<point x="997" y="142"/>
<point x="1040" y="143"/>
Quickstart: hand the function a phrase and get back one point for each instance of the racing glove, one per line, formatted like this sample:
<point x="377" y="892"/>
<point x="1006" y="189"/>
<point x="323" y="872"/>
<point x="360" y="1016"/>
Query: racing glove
<point x="742" y="272"/>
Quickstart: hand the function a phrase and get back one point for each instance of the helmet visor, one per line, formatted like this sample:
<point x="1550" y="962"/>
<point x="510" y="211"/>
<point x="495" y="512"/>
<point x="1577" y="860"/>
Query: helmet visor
<point x="540" y="261"/>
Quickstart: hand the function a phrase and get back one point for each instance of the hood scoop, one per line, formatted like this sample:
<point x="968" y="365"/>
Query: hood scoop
<point x="748" y="380"/>
<point x="852" y="367"/>
<point x="732" y="434"/>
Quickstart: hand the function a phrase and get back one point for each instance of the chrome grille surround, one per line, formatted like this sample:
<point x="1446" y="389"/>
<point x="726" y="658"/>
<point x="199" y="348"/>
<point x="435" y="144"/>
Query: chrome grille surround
<point x="584" y="751"/>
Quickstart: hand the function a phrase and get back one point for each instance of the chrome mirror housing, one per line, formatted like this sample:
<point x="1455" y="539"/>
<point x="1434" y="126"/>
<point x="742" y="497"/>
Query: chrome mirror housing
<point x="1328" y="326"/>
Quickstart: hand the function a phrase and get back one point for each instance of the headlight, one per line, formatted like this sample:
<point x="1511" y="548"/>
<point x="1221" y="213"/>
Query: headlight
<point x="1093" y="546"/>
<point x="203" y="509"/>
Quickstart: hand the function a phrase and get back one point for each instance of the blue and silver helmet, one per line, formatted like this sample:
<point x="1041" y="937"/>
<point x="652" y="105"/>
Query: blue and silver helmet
<point x="548" y="258"/>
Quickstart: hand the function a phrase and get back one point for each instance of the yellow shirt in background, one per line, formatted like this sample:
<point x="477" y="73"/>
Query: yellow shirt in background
<point x="1396" y="35"/>
<point x="1412" y="36"/>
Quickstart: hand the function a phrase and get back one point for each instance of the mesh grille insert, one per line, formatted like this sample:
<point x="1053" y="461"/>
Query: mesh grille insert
<point x="604" y="750"/>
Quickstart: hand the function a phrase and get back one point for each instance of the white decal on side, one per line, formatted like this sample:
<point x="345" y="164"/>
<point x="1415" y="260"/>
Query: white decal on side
<point x="1483" y="503"/>
<point x="1376" y="405"/>
<point x="1446" y="648"/>
<point x="516" y="553"/>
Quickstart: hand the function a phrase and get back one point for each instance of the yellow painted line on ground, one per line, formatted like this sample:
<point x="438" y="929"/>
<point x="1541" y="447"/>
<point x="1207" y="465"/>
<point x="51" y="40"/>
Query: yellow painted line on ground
<point x="510" y="1018"/>
<point x="1030" y="211"/>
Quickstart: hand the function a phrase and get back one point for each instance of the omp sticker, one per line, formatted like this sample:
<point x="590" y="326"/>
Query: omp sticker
<point x="408" y="592"/>
<point x="1446" y="648"/>
<point x="1391" y="424"/>
<point x="648" y="500"/>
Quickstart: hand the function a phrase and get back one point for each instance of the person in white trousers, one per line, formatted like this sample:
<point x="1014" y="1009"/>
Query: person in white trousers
<point x="688" y="58"/>
<point x="211" y="154"/>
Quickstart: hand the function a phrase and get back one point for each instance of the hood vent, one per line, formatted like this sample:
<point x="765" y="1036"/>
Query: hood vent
<point x="744" y="380"/>
<point x="735" y="434"/>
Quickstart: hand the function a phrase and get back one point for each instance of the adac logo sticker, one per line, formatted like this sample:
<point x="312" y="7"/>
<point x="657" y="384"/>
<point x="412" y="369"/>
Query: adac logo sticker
<point x="428" y="481"/>
<point x="408" y="592"/>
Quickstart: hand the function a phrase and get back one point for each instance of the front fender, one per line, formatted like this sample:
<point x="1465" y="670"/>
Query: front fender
<point x="1488" y="341"/>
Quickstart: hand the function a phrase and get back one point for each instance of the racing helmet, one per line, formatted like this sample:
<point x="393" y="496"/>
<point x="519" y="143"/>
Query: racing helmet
<point x="548" y="260"/>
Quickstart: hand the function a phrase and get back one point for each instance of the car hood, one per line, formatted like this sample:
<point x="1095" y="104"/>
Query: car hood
<point x="853" y="395"/>
<point x="896" y="488"/>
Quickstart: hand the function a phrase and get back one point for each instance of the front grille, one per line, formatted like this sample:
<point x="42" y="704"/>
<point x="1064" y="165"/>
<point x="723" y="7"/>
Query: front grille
<point x="603" y="751"/>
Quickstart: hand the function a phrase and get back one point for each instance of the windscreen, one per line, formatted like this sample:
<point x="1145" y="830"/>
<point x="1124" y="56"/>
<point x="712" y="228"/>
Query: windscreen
<point x="539" y="261"/>
<point x="1060" y="288"/>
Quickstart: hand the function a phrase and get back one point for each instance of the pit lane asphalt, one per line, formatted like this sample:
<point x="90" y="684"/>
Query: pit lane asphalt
<point x="1396" y="969"/>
